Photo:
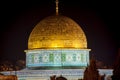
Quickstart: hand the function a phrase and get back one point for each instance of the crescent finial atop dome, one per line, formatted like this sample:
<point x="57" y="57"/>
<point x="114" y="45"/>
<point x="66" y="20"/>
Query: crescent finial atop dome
<point x="56" y="7"/>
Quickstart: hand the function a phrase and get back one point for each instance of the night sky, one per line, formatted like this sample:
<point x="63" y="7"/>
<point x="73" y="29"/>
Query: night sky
<point x="98" y="19"/>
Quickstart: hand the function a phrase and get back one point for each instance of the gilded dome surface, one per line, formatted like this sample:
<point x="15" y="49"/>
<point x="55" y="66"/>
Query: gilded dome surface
<point x="57" y="32"/>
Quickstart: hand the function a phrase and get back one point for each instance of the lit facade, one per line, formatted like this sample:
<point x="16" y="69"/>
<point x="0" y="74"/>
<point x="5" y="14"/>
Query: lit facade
<point x="61" y="58"/>
<point x="57" y="42"/>
<point x="56" y="46"/>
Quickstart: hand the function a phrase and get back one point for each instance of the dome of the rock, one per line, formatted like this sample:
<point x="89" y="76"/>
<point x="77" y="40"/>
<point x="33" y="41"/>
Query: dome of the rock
<point x="57" y="32"/>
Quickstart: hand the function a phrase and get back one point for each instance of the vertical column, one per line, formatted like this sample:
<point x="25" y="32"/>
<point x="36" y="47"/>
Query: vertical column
<point x="27" y="62"/>
<point x="88" y="58"/>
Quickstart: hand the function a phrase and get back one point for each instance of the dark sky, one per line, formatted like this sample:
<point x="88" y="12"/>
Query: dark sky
<point x="98" y="19"/>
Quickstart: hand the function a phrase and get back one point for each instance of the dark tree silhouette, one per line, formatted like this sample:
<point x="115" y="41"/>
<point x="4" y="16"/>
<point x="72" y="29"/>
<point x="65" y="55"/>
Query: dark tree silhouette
<point x="91" y="72"/>
<point x="116" y="69"/>
<point x="61" y="78"/>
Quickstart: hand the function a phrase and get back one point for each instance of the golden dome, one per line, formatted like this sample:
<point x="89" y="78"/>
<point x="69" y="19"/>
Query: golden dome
<point x="57" y="32"/>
